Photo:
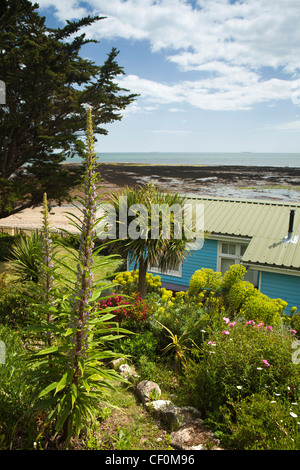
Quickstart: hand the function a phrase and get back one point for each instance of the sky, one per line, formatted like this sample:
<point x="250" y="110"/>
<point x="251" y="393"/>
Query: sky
<point x="212" y="75"/>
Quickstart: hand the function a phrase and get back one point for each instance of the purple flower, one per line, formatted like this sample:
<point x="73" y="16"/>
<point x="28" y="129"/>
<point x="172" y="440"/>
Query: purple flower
<point x="266" y="363"/>
<point x="80" y="311"/>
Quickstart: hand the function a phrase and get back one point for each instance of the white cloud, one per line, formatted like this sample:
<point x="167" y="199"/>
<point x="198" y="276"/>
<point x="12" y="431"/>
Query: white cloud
<point x="176" y="110"/>
<point x="289" y="126"/>
<point x="229" y="45"/>
<point x="255" y="33"/>
<point x="65" y="9"/>
<point x="137" y="108"/>
<point x="221" y="93"/>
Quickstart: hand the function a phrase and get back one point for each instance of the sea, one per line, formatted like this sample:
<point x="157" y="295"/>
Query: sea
<point x="188" y="158"/>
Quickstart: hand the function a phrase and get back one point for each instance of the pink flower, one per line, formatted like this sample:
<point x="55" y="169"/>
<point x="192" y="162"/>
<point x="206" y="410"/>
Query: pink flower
<point x="266" y="363"/>
<point x="259" y="325"/>
<point x="293" y="331"/>
<point x="269" y="328"/>
<point x="226" y="320"/>
<point x="225" y="332"/>
<point x="211" y="342"/>
<point x="250" y="322"/>
<point x="232" y="324"/>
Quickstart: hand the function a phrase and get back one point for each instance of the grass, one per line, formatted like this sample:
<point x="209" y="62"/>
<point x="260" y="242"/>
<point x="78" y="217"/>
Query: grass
<point x="103" y="266"/>
<point x="67" y="262"/>
<point x="128" y="427"/>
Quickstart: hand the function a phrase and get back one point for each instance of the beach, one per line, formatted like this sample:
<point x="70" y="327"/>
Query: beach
<point x="280" y="183"/>
<point x="246" y="182"/>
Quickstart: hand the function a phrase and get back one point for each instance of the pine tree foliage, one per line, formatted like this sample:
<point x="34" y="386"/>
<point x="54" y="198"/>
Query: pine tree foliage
<point x="49" y="87"/>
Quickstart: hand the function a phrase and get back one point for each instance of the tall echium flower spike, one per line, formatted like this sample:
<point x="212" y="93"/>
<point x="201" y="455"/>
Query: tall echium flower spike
<point x="80" y="312"/>
<point x="47" y="265"/>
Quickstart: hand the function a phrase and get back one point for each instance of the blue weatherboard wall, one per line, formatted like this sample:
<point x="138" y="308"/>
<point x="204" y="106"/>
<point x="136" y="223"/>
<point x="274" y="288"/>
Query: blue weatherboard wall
<point x="204" y="258"/>
<point x="281" y="286"/>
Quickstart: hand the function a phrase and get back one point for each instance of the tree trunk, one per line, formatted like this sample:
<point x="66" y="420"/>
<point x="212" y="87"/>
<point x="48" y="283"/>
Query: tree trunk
<point x="142" y="277"/>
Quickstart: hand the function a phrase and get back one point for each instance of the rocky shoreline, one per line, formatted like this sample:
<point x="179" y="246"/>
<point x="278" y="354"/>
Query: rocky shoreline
<point x="246" y="182"/>
<point x="281" y="183"/>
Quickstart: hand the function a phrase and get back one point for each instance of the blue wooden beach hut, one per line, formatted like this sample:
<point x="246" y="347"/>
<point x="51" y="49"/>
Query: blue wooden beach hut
<point x="261" y="235"/>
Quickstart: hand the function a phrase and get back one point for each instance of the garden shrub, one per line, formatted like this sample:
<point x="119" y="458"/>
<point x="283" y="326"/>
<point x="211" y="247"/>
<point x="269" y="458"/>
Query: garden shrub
<point x="204" y="280"/>
<point x="173" y="311"/>
<point x="138" y="346"/>
<point x="16" y="304"/>
<point x="260" y="308"/>
<point x="14" y="393"/>
<point x="242" y="359"/>
<point x="132" y="310"/>
<point x="238" y="294"/>
<point x="70" y="240"/>
<point x="259" y="423"/>
<point x="128" y="281"/>
<point x="232" y="294"/>
<point x="235" y="273"/>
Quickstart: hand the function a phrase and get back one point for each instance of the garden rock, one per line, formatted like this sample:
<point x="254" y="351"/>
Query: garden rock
<point x="148" y="390"/>
<point x="116" y="363"/>
<point x="156" y="406"/>
<point x="174" y="417"/>
<point x="195" y="436"/>
<point x="125" y="370"/>
<point x="128" y="372"/>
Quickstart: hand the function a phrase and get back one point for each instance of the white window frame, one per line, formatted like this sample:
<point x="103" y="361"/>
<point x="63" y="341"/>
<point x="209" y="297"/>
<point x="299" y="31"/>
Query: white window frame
<point x="237" y="257"/>
<point x="167" y="272"/>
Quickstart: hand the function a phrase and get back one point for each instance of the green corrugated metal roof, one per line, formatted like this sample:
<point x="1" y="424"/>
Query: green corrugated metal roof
<point x="265" y="223"/>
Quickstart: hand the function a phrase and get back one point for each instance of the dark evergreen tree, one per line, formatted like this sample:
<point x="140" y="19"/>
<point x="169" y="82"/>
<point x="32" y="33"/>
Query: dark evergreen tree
<point x="48" y="89"/>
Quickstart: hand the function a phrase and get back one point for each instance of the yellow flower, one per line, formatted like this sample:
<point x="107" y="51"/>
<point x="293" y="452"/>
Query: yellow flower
<point x="180" y="294"/>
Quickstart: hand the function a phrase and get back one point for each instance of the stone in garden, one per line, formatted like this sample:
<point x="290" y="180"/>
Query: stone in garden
<point x="195" y="436"/>
<point x="175" y="417"/>
<point x="148" y="391"/>
<point x="156" y="406"/>
<point x="115" y="364"/>
<point x="124" y="369"/>
<point x="128" y="372"/>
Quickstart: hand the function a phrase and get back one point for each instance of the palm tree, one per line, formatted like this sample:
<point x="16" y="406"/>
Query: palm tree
<point x="150" y="229"/>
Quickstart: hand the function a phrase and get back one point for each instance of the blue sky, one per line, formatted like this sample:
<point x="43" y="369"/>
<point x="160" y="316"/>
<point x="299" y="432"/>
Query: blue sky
<point x="213" y="75"/>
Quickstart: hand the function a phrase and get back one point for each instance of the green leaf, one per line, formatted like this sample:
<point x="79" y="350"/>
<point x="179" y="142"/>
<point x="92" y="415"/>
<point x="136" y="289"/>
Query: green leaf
<point x="74" y="394"/>
<point x="77" y="421"/>
<point x="48" y="389"/>
<point x="63" y="417"/>
<point x="95" y="296"/>
<point x="47" y="351"/>
<point x="62" y="383"/>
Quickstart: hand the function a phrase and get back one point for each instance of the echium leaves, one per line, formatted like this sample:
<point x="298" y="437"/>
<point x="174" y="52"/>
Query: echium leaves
<point x="80" y="311"/>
